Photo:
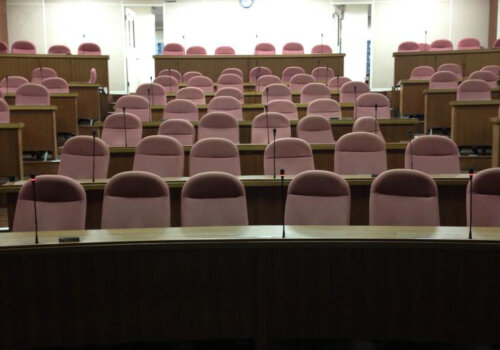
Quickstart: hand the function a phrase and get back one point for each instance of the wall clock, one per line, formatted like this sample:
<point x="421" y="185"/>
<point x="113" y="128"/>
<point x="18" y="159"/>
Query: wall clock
<point x="246" y="3"/>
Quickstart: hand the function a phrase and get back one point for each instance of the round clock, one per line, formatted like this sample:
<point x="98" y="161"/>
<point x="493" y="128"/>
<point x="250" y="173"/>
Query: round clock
<point x="246" y="3"/>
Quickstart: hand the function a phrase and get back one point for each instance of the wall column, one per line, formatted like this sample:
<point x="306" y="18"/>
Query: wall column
<point x="492" y="29"/>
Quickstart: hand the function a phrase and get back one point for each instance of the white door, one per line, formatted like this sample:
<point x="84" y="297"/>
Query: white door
<point x="131" y="50"/>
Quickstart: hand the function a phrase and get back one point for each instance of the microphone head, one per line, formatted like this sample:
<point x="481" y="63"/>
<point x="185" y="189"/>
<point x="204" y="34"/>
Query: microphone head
<point x="282" y="172"/>
<point x="274" y="132"/>
<point x="471" y="172"/>
<point x="94" y="133"/>
<point x="32" y="177"/>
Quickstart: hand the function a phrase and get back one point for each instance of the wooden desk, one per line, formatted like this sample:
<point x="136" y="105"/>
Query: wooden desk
<point x="212" y="65"/>
<point x="411" y="97"/>
<point x="39" y="132"/>
<point x="88" y="100"/>
<point x="471" y="122"/>
<point x="495" y="147"/>
<point x="11" y="144"/>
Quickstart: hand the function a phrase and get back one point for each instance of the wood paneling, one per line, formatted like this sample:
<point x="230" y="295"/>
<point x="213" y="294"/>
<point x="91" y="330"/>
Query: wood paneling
<point x="11" y="144"/>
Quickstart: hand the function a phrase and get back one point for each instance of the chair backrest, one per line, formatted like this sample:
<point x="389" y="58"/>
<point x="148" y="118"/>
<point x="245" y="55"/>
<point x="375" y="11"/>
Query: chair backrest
<point x="93" y="76"/>
<point x="192" y="73"/>
<point x="276" y="92"/>
<point x="161" y="155"/>
<point x="318" y="197"/>
<point x="181" y="109"/>
<point x="213" y="199"/>
<point x="360" y="153"/>
<point x="291" y="154"/>
<point x="485" y="198"/>
<point x="314" y="91"/>
<point x="82" y="155"/>
<point x="153" y="92"/>
<point x="321" y="49"/>
<point x="451" y="67"/>
<point x="41" y="73"/>
<point x="171" y="72"/>
<point x="231" y="91"/>
<point x="404" y="197"/>
<point x="322" y="74"/>
<point x="337" y="82"/>
<point x="196" y="50"/>
<point x="169" y="83"/>
<point x="214" y="154"/>
<point x="266" y="80"/>
<point x="89" y="49"/>
<point x="285" y="107"/>
<point x="219" y="124"/>
<point x="469" y="44"/>
<point x="424" y="47"/>
<point x="4" y="111"/>
<point x="135" y="199"/>
<point x="202" y="82"/>
<point x="473" y="90"/>
<point x="173" y="49"/>
<point x="372" y="104"/>
<point x="23" y="47"/>
<point x="422" y="73"/>
<point x="493" y="68"/>
<point x="193" y="94"/>
<point x="257" y="72"/>
<point x="59" y="50"/>
<point x="232" y="70"/>
<point x="293" y="48"/>
<point x="230" y="80"/>
<point x="265" y="49"/>
<point x="32" y="95"/>
<point x="489" y="77"/>
<point x="10" y="84"/>
<point x="4" y="47"/>
<point x="443" y="80"/>
<point x="368" y="124"/>
<point x="441" y="45"/>
<point x="225" y="50"/>
<point x="496" y="44"/>
<point x="227" y="104"/>
<point x="325" y="107"/>
<point x="56" y="85"/>
<point x="60" y="205"/>
<point x="315" y="129"/>
<point x="433" y="154"/>
<point x="408" y="46"/>
<point x="122" y="130"/>
<point x="136" y="105"/>
<point x="298" y="81"/>
<point x="263" y="125"/>
<point x="180" y="129"/>
<point x="350" y="91"/>
<point x="289" y="72"/>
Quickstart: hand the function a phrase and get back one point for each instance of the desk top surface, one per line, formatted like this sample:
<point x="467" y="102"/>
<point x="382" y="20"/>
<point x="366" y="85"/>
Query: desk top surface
<point x="260" y="57"/>
<point x="444" y="53"/>
<point x="17" y="56"/>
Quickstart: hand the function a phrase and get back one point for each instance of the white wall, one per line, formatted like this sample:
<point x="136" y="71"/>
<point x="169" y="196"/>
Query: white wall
<point x="355" y="34"/>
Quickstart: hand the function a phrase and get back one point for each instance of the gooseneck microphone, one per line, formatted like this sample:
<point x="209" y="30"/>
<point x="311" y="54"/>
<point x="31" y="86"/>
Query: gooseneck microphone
<point x="410" y="135"/>
<point x="376" y="120"/>
<point x="149" y="104"/>
<point x="7" y="84"/>
<point x="274" y="153"/>
<point x="93" y="155"/>
<point x="170" y="83"/>
<point x="425" y="41"/>
<point x="33" y="180"/>
<point x="258" y="76"/>
<point x="471" y="176"/>
<point x="267" y="123"/>
<point x="125" y="127"/>
<point x="282" y="175"/>
<point x="321" y="50"/>
<point x="355" y="93"/>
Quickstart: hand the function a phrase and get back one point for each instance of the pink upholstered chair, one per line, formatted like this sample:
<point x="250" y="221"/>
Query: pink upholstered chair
<point x="422" y="73"/>
<point x="122" y="130"/>
<point x="314" y="91"/>
<point x="219" y="124"/>
<point x="136" y="105"/>
<point x="350" y="91"/>
<point x="276" y="92"/>
<point x="490" y="78"/>
<point x="180" y="129"/>
<point x="291" y="154"/>
<point x="266" y="80"/>
<point x="56" y="85"/>
<point x="469" y="44"/>
<point x="173" y="49"/>
<point x="202" y="82"/>
<point x="496" y="44"/>
<point x="321" y="49"/>
<point x="196" y="50"/>
<point x="59" y="50"/>
<point x="263" y="125"/>
<point x="181" y="109"/>
<point x="11" y="83"/>
<point x="257" y="72"/>
<point x="232" y="70"/>
<point x="473" y="90"/>
<point x="432" y="154"/>
<point x="336" y="82"/>
<point x="230" y="80"/>
<point x="93" y="76"/>
<point x="154" y="93"/>
<point x="360" y="153"/>
<point x="89" y="49"/>
<point x="441" y="45"/>
<point x="4" y="47"/>
<point x="404" y="197"/>
<point x="224" y="50"/>
<point x="169" y="83"/>
<point x="315" y="129"/>
<point x="325" y="107"/>
<point x="226" y="104"/>
<point x="293" y="48"/>
<point x="171" y="72"/>
<point x="322" y="74"/>
<point x="424" y="47"/>
<point x="451" y="67"/>
<point x="188" y="75"/>
<point x="485" y="198"/>
<point x="368" y="124"/>
<point x="32" y="95"/>
<point x="231" y="91"/>
<point x="214" y="154"/>
<point x="495" y="69"/>
<point x="213" y="199"/>
<point x="318" y="197"/>
<point x="61" y="204"/>
<point x="80" y="156"/>
<point x="372" y="104"/>
<point x="289" y="72"/>
<point x="135" y="199"/>
<point x="265" y="49"/>
<point x="298" y="81"/>
<point x="443" y="80"/>
<point x="408" y="46"/>
<point x="161" y="155"/>
<point x="23" y="47"/>
<point x="4" y="111"/>
<point x="193" y="94"/>
<point x="285" y="107"/>
<point x="41" y="73"/>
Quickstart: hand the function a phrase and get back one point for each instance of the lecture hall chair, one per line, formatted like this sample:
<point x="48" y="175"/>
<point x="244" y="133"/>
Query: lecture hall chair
<point x="40" y="73"/>
<point x="372" y="104"/>
<point x="89" y="49"/>
<point x="495" y="69"/>
<point x="469" y="44"/>
<point x="360" y="153"/>
<point x="322" y="74"/>
<point x="219" y="124"/>
<point x="496" y="44"/>
<point x="59" y="50"/>
<point x="56" y="85"/>
<point x="489" y="77"/>
<point x="276" y="92"/>
<point x="169" y="83"/>
<point x="122" y="130"/>
<point x="226" y="104"/>
<point x="161" y="155"/>
<point x="230" y="80"/>
<point x="173" y="49"/>
<point x="265" y="49"/>
<point x="30" y="94"/>
<point x="23" y="47"/>
<point x="474" y="90"/>
<point x="433" y="154"/>
<point x="424" y="47"/>
<point x="285" y="107"/>
<point x="485" y="198"/>
<point x="224" y="50"/>
<point x="171" y="72"/>
<point x="289" y="72"/>
<point x="321" y="49"/>
<point x="315" y="129"/>
<point x="181" y="109"/>
<point x="180" y="129"/>
<point x="265" y="80"/>
<point x="214" y="154"/>
<point x="154" y="93"/>
<point x="298" y="81"/>
<point x="422" y="73"/>
<point x="293" y="48"/>
<point x="231" y="91"/>
<point x="4" y="47"/>
<point x="337" y="82"/>
<point x="408" y="46"/>
<point x="11" y="83"/>
<point x="291" y="154"/>
<point x="443" y="80"/>
<point x="193" y="94"/>
<point x="136" y="105"/>
<point x="314" y="91"/>
<point x="4" y="111"/>
<point x="368" y="124"/>
<point x="350" y="91"/>
<point x="451" y="67"/>
<point x="196" y="50"/>
<point x="232" y="70"/>
<point x="192" y="73"/>
<point x="441" y="45"/>
<point x="257" y="72"/>
<point x="263" y="125"/>
<point x="325" y="107"/>
<point x="202" y="82"/>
